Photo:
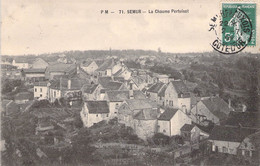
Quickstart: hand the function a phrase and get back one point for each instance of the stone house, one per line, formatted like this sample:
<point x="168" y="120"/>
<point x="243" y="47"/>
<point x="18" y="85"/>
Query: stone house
<point x="68" y="88"/>
<point x="177" y="95"/>
<point x="123" y="72"/>
<point x="156" y="92"/>
<point x="93" y="112"/>
<point x="225" y="139"/>
<point x="105" y="69"/>
<point x="41" y="90"/>
<point x="214" y="109"/>
<point x="91" y="92"/>
<point x="139" y="114"/>
<point x="33" y="75"/>
<point x="193" y="133"/>
<point x="161" y="78"/>
<point x="59" y="70"/>
<point x="89" y="66"/>
<point x="116" y="98"/>
<point x="249" y="149"/>
<point x="171" y="121"/>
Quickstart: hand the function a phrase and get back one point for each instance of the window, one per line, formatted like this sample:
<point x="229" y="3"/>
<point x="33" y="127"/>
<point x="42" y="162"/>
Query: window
<point x="40" y="95"/>
<point x="117" y="105"/>
<point x="213" y="148"/>
<point x="164" y="131"/>
<point x="243" y="152"/>
<point x="224" y="150"/>
<point x="54" y="93"/>
<point x="40" y="89"/>
<point x="107" y="115"/>
<point x="97" y="115"/>
<point x="35" y="89"/>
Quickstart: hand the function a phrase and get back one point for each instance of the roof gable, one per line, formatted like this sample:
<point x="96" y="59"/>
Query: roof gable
<point x="168" y="114"/>
<point x="97" y="107"/>
<point x="90" y="88"/>
<point x="217" y="106"/>
<point x="155" y="88"/>
<point x="108" y="64"/>
<point x="138" y="104"/>
<point x="180" y="87"/>
<point x="114" y="96"/>
<point x="187" y="127"/>
<point x="230" y="134"/>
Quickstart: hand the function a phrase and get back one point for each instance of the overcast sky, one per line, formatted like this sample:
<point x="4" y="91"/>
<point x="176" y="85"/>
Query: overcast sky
<point x="44" y="26"/>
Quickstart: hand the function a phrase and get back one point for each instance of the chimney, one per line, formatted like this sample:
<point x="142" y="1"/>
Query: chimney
<point x="229" y="103"/>
<point x="131" y="94"/>
<point x="243" y="108"/>
<point x="69" y="84"/>
<point x="78" y="67"/>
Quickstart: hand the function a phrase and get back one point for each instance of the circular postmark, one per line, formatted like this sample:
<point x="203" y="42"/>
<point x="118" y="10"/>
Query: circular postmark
<point x="236" y="31"/>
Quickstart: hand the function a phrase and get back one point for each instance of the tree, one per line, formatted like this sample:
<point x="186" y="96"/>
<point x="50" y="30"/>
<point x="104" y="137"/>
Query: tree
<point x="161" y="139"/>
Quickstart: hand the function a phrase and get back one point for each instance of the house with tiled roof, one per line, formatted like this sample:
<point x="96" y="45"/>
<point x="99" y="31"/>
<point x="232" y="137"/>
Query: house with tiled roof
<point x="156" y="92"/>
<point x="60" y="69"/>
<point x="171" y="121"/>
<point x="91" y="91"/>
<point x="33" y="74"/>
<point x="94" y="112"/>
<point x="214" y="109"/>
<point x="68" y="88"/>
<point x="116" y="98"/>
<point x="161" y="78"/>
<point x="122" y="71"/>
<point x="177" y="95"/>
<point x="226" y="139"/>
<point x="193" y="133"/>
<point x="109" y="84"/>
<point x="140" y="114"/>
<point x="89" y="66"/>
<point x="106" y="68"/>
<point x="137" y="82"/>
<point x="249" y="149"/>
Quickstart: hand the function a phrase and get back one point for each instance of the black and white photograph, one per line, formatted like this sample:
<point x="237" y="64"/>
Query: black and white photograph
<point x="130" y="83"/>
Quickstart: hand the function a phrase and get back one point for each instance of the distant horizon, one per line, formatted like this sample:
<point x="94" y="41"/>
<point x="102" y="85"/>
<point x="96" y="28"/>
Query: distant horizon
<point x="64" y="52"/>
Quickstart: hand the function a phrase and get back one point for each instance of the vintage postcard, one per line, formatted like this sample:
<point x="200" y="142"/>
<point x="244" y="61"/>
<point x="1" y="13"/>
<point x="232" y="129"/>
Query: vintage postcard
<point x="130" y="82"/>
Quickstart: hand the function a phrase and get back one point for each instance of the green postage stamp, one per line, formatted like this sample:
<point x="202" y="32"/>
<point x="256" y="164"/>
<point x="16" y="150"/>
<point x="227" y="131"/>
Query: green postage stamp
<point x="239" y="24"/>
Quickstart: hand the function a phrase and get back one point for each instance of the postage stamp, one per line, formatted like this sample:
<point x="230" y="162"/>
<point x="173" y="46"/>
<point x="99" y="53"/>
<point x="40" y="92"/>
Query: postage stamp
<point x="239" y="20"/>
<point x="237" y="25"/>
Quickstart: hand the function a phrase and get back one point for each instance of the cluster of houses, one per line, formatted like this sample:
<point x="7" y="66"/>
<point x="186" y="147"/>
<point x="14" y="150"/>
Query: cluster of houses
<point x="147" y="102"/>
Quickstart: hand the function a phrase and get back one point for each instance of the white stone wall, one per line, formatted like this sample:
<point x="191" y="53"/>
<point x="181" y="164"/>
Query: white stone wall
<point x="178" y="120"/>
<point x="184" y="102"/>
<point x="54" y="94"/>
<point x="91" y="68"/>
<point x="90" y="119"/>
<point x="231" y="146"/>
<point x="41" y="92"/>
<point x="164" y="127"/>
